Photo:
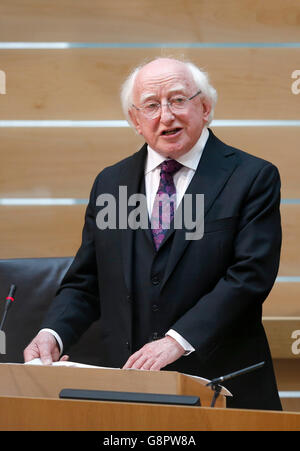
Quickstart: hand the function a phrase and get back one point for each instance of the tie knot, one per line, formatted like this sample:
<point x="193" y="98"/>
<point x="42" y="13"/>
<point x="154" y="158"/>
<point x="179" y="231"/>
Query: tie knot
<point x="170" y="166"/>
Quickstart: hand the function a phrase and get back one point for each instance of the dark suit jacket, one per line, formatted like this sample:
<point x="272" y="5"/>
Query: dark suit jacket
<point x="212" y="289"/>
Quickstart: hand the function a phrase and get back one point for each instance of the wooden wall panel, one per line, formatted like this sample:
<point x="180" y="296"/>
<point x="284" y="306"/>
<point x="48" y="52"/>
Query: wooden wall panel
<point x="59" y="162"/>
<point x="84" y="84"/>
<point x="287" y="373"/>
<point x="290" y="404"/>
<point x="284" y="300"/>
<point x="149" y="20"/>
<point x="40" y="231"/>
<point x="63" y="162"/>
<point x="279" y="332"/>
<point x="290" y="255"/>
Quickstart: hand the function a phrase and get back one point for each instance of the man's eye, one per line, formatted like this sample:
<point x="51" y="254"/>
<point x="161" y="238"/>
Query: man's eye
<point x="177" y="100"/>
<point x="151" y="106"/>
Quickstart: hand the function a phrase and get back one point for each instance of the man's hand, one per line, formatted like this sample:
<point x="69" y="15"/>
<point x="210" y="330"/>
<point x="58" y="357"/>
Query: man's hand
<point x="155" y="355"/>
<point x="45" y="347"/>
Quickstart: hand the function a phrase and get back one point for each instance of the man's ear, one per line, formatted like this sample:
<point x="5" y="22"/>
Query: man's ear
<point x="206" y="109"/>
<point x="135" y="121"/>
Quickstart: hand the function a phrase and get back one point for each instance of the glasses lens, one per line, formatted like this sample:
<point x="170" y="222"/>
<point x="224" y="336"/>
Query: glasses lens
<point x="151" y="110"/>
<point x="178" y="103"/>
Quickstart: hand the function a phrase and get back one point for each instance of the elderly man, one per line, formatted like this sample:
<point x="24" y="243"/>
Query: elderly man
<point x="166" y="302"/>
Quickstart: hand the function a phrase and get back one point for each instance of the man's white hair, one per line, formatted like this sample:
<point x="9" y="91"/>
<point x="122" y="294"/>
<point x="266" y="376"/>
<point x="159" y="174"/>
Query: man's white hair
<point x="200" y="78"/>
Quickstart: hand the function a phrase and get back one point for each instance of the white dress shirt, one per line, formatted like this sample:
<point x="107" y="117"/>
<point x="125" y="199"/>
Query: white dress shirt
<point x="182" y="179"/>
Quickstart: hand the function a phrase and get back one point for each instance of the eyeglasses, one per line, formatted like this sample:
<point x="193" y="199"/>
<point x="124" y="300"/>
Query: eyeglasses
<point x="176" y="104"/>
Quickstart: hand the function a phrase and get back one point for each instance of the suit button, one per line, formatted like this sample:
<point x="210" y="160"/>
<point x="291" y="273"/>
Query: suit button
<point x="127" y="344"/>
<point x="155" y="336"/>
<point x="155" y="280"/>
<point x="129" y="298"/>
<point x="155" y="308"/>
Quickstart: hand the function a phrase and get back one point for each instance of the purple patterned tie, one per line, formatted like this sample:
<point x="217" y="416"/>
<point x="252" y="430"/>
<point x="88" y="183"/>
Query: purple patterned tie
<point x="164" y="202"/>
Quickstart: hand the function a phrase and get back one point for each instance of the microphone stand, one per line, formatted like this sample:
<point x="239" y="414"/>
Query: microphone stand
<point x="9" y="299"/>
<point x="217" y="390"/>
<point x="215" y="383"/>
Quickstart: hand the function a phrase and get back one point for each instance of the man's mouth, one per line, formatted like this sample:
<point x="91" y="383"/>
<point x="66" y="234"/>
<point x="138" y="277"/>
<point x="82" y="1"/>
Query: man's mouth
<point x="170" y="132"/>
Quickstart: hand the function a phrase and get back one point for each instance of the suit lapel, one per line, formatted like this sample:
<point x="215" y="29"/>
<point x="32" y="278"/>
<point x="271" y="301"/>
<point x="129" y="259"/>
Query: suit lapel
<point x="215" y="167"/>
<point x="131" y="176"/>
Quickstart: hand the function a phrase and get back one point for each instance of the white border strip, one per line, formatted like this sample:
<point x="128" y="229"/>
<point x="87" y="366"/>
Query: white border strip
<point x="41" y="201"/>
<point x="289" y="394"/>
<point x="141" y="45"/>
<point x="123" y="123"/>
<point x="287" y="279"/>
<point x="64" y="123"/>
<point x="76" y="201"/>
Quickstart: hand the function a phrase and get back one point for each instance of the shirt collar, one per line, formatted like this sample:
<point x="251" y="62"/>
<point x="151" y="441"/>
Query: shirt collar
<point x="190" y="159"/>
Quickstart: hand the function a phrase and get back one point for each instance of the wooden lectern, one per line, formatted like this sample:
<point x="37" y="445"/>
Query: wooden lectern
<point x="29" y="400"/>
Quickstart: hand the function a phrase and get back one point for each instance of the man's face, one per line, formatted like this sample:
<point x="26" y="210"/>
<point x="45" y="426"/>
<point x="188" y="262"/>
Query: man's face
<point x="171" y="135"/>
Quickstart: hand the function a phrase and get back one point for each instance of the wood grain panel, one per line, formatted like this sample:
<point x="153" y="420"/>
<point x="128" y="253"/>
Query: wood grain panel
<point x="20" y="380"/>
<point x="149" y="21"/>
<point x="70" y="415"/>
<point x="60" y="162"/>
<point x="84" y="84"/>
<point x="283" y="300"/>
<point x="40" y="231"/>
<point x="287" y="374"/>
<point x="63" y="162"/>
<point x="279" y="332"/>
<point x="290" y="255"/>
<point x="290" y="404"/>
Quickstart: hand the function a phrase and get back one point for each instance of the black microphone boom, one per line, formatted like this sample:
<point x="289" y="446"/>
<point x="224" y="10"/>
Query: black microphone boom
<point x="214" y="383"/>
<point x="218" y="380"/>
<point x="9" y="300"/>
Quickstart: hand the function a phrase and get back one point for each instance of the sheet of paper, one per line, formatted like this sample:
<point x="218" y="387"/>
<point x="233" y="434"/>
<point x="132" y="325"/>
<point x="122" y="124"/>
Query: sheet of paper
<point x="68" y="363"/>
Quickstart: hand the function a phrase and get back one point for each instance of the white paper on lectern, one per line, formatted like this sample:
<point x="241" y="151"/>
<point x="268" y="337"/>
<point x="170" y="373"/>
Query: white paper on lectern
<point x="68" y="363"/>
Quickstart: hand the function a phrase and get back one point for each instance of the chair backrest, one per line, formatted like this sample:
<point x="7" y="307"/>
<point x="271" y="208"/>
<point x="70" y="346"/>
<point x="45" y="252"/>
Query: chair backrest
<point x="37" y="280"/>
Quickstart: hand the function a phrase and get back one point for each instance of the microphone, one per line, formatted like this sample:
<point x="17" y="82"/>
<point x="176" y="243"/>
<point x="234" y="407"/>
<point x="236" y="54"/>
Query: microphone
<point x="218" y="380"/>
<point x="9" y="300"/>
<point x="214" y="383"/>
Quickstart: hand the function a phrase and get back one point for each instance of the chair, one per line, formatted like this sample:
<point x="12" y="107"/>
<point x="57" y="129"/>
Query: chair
<point x="37" y="280"/>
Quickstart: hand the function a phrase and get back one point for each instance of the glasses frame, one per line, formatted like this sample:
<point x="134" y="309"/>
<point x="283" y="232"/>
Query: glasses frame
<point x="167" y="103"/>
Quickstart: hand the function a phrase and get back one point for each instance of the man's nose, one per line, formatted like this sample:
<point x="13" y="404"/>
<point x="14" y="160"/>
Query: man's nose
<point x="166" y="114"/>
